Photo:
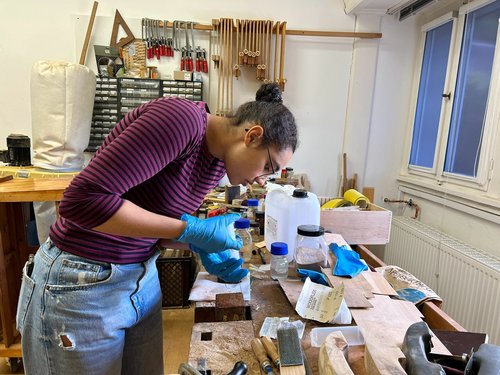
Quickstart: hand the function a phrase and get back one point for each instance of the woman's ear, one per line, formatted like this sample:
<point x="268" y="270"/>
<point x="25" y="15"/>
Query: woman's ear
<point x="254" y="134"/>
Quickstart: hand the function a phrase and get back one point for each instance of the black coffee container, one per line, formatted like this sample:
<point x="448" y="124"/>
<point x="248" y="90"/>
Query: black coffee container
<point x="18" y="147"/>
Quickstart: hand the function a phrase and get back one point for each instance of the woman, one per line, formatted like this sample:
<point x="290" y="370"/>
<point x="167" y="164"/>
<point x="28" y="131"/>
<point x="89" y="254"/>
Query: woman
<point x="90" y="301"/>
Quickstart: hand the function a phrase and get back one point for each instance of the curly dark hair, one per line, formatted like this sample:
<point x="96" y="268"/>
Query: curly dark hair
<point x="269" y="111"/>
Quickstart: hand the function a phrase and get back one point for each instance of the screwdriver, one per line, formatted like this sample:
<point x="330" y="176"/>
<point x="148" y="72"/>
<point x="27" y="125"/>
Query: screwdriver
<point x="261" y="355"/>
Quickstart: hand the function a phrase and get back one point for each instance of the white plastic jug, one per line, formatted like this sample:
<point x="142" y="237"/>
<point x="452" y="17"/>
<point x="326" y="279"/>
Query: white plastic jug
<point x="285" y="212"/>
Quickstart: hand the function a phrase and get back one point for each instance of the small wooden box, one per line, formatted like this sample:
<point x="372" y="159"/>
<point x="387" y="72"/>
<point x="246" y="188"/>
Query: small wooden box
<point x="367" y="227"/>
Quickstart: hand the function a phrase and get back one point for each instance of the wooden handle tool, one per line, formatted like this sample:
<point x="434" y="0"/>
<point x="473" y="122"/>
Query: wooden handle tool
<point x="271" y="350"/>
<point x="261" y="355"/>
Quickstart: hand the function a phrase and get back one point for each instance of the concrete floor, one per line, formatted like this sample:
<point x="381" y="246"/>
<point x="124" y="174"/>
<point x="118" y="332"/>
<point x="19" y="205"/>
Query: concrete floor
<point x="177" y="324"/>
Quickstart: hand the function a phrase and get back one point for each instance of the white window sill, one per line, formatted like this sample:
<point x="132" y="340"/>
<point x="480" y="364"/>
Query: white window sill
<point x="471" y="201"/>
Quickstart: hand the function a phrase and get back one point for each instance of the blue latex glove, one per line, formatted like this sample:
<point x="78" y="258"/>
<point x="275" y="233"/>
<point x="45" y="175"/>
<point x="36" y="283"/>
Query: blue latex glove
<point x="222" y="264"/>
<point x="348" y="262"/>
<point x="210" y="235"/>
<point x="316" y="277"/>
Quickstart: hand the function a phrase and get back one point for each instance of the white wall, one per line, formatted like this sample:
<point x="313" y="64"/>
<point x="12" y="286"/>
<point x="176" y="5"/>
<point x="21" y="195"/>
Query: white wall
<point x="348" y="95"/>
<point x="322" y="73"/>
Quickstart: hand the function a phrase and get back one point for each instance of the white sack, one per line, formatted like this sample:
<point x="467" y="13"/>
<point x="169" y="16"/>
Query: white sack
<point x="45" y="216"/>
<point x="62" y="100"/>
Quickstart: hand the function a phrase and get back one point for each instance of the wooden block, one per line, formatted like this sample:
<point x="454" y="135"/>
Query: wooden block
<point x="229" y="307"/>
<point x="333" y="355"/>
<point x="223" y="344"/>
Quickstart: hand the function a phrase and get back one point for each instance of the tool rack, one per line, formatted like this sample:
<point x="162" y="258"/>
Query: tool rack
<point x="115" y="97"/>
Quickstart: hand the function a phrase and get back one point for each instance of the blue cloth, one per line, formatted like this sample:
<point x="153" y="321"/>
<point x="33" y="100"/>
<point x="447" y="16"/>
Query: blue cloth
<point x="222" y="264"/>
<point x="348" y="263"/>
<point x="316" y="277"/>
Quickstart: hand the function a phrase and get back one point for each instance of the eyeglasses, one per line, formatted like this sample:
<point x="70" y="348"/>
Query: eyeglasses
<point x="273" y="171"/>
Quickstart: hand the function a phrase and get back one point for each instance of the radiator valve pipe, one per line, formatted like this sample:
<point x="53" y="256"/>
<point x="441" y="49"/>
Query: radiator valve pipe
<point x="409" y="202"/>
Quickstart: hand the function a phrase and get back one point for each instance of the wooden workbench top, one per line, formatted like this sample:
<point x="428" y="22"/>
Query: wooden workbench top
<point x="33" y="189"/>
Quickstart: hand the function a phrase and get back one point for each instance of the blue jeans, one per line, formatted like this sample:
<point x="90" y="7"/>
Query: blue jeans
<point x="79" y="316"/>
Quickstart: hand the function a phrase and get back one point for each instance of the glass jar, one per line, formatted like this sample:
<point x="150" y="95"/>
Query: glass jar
<point x="255" y="231"/>
<point x="279" y="261"/>
<point x="252" y="205"/>
<point x="311" y="250"/>
<point x="242" y="229"/>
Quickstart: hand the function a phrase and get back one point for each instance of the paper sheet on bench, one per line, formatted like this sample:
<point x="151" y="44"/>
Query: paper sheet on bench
<point x="319" y="302"/>
<point x="206" y="287"/>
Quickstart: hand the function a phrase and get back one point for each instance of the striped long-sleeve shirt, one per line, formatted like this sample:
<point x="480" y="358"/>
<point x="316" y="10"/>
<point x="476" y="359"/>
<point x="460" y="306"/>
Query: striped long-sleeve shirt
<point x="157" y="158"/>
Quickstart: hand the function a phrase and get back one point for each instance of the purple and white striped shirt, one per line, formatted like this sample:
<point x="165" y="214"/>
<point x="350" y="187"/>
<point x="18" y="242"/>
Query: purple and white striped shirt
<point x="157" y="158"/>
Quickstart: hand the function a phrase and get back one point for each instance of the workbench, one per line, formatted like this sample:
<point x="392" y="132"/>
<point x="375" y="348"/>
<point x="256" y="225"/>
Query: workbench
<point x="268" y="299"/>
<point x="15" y="198"/>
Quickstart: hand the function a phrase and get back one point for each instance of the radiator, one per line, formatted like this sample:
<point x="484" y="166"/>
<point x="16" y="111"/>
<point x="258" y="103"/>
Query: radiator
<point x="466" y="278"/>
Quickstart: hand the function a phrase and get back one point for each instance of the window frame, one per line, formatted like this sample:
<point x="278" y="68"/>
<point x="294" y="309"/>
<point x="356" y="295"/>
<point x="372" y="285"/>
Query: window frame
<point x="492" y="114"/>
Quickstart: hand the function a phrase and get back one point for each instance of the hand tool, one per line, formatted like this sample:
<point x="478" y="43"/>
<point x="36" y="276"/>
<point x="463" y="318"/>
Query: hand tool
<point x="282" y="58"/>
<point x="271" y="350"/>
<point x="236" y="67"/>
<point x="416" y="345"/>
<point x="240" y="368"/>
<point x="275" y="72"/>
<point x="240" y="50"/>
<point x="261" y="355"/>
<point x="291" y="357"/>
<point x="205" y="63"/>
<point x="6" y="178"/>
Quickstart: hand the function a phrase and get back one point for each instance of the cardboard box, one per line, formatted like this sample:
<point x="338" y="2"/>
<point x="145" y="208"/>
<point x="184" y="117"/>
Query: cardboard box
<point x="366" y="227"/>
<point x="181" y="75"/>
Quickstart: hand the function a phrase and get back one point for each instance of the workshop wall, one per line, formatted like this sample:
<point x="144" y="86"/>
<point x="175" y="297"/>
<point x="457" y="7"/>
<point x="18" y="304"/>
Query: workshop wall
<point x="331" y="81"/>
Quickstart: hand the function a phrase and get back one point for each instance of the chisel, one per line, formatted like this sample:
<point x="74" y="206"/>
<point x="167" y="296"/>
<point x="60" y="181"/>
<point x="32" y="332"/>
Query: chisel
<point x="261" y="355"/>
<point x="271" y="350"/>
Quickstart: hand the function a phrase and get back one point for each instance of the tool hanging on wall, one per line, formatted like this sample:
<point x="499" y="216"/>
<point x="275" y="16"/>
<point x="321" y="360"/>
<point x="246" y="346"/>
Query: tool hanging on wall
<point x="119" y="21"/>
<point x="282" y="80"/>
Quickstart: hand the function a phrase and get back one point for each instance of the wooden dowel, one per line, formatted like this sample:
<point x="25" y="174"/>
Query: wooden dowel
<point x="275" y="72"/>
<point x="89" y="33"/>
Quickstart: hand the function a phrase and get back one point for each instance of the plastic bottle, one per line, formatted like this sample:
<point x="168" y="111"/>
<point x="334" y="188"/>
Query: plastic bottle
<point x="242" y="229"/>
<point x="279" y="260"/>
<point x="285" y="212"/>
<point x="311" y="251"/>
<point x="252" y="205"/>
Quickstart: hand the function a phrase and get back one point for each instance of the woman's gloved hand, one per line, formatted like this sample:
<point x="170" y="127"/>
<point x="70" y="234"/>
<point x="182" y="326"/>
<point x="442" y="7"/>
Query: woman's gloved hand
<point x="222" y="264"/>
<point x="210" y="235"/>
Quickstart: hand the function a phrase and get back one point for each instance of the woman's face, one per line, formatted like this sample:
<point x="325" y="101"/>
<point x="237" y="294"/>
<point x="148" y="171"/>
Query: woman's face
<point x="248" y="161"/>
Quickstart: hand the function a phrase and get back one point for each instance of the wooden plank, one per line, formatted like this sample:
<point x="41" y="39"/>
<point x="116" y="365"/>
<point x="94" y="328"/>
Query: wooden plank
<point x="388" y="321"/>
<point x="378" y="283"/>
<point x="222" y="345"/>
<point x="356" y="291"/>
<point x="438" y="319"/>
<point x="292" y="289"/>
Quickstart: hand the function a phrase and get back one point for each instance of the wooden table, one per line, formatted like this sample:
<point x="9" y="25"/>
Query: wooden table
<point x="15" y="196"/>
<point x="269" y="300"/>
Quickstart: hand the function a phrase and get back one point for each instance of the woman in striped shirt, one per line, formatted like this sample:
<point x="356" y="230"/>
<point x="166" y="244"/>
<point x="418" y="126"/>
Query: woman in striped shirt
<point x="90" y="302"/>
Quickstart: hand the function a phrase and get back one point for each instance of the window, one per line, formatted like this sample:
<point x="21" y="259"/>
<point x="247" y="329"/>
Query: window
<point x="453" y="119"/>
